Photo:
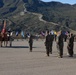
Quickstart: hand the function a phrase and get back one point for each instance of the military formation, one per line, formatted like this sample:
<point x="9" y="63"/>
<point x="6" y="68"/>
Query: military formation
<point x="50" y="36"/>
<point x="60" y="38"/>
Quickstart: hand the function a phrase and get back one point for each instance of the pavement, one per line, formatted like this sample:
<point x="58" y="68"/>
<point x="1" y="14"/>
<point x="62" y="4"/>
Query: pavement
<point x="18" y="60"/>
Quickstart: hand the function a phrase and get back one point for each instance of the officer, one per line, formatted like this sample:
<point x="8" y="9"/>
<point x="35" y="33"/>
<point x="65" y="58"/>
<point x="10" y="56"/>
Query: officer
<point x="47" y="43"/>
<point x="71" y="45"/>
<point x="60" y="44"/>
<point x="51" y="41"/>
<point x="9" y="36"/>
<point x="30" y="42"/>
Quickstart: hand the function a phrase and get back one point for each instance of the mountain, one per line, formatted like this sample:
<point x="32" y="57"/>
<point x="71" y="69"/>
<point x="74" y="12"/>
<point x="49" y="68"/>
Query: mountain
<point x="21" y="14"/>
<point x="9" y="7"/>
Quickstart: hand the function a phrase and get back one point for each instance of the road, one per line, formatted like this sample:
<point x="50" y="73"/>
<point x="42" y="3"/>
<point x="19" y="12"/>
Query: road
<point x="17" y="60"/>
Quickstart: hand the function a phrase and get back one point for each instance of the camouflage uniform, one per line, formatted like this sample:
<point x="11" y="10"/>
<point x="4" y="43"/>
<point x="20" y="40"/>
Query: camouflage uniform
<point x="70" y="46"/>
<point x="60" y="45"/>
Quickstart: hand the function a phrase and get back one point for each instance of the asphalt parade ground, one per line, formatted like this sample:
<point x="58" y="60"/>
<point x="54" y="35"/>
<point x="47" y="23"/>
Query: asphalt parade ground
<point x="18" y="60"/>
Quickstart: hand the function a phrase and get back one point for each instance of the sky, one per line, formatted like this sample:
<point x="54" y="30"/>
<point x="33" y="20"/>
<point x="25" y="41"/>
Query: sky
<point x="63" y="1"/>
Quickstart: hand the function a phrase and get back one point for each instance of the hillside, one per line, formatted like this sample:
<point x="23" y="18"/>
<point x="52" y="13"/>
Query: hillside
<point x="55" y="12"/>
<point x="30" y="22"/>
<point x="39" y="15"/>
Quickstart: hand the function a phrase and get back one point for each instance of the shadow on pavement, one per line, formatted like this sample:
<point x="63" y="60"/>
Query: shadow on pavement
<point x="17" y="47"/>
<point x="67" y="56"/>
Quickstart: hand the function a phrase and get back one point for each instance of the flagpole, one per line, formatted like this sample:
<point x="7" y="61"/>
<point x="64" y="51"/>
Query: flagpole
<point x="4" y="24"/>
